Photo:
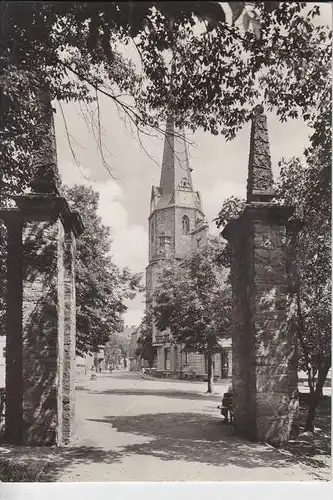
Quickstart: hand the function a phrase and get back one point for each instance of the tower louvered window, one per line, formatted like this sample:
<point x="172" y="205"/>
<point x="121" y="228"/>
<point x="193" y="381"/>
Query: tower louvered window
<point x="186" y="225"/>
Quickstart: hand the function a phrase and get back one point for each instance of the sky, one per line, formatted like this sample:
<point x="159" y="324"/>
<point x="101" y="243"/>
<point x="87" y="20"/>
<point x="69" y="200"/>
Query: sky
<point x="219" y="171"/>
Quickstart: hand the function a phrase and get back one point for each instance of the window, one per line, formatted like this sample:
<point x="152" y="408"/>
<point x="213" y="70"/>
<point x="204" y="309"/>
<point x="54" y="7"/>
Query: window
<point x="4" y="352"/>
<point x="186" y="358"/>
<point x="186" y="225"/>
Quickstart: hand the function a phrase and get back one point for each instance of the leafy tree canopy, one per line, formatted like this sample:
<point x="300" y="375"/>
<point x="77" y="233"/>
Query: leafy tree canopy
<point x="116" y="349"/>
<point x="101" y="287"/>
<point x="218" y="72"/>
<point x="193" y="302"/>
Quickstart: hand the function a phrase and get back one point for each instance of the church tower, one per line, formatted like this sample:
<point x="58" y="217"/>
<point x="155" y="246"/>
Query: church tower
<point x="177" y="225"/>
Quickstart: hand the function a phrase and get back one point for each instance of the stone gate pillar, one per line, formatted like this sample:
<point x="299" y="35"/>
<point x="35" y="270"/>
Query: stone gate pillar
<point x="264" y="371"/>
<point x="38" y="316"/>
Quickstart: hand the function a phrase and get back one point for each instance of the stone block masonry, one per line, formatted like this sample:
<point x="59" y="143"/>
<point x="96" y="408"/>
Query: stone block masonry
<point x="42" y="331"/>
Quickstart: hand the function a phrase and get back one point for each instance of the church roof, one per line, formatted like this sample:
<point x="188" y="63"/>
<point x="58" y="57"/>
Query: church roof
<point x="176" y="187"/>
<point x="176" y="172"/>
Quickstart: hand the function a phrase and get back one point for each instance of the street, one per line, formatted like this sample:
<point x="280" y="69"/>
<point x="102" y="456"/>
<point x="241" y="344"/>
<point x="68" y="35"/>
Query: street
<point x="131" y="428"/>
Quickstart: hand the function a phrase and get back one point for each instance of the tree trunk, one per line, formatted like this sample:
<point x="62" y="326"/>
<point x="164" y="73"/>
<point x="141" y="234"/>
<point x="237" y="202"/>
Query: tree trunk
<point x="313" y="403"/>
<point x="323" y="372"/>
<point x="96" y="360"/>
<point x="315" y="395"/>
<point x="210" y="373"/>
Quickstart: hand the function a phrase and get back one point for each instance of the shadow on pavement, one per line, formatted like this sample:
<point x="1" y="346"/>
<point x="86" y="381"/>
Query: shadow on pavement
<point x="189" y="437"/>
<point x="70" y="456"/>
<point x="163" y="393"/>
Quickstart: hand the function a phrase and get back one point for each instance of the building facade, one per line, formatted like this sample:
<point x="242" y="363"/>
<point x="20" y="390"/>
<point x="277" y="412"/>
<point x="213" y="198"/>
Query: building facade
<point x="177" y="228"/>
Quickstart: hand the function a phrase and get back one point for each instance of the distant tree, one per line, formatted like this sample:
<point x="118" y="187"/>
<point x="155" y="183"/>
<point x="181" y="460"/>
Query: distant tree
<point x="101" y="287"/>
<point x="193" y="301"/>
<point x="116" y="350"/>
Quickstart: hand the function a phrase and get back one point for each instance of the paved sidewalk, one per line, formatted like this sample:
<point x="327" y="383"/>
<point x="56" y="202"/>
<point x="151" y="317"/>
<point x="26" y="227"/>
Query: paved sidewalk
<point x="135" y="429"/>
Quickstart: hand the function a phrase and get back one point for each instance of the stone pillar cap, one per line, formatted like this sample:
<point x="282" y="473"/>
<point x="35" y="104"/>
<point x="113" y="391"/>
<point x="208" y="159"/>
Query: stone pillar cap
<point x="45" y="206"/>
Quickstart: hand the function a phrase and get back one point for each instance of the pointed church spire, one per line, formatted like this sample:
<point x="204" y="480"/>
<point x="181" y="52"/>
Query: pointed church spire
<point x="176" y="171"/>
<point x="260" y="175"/>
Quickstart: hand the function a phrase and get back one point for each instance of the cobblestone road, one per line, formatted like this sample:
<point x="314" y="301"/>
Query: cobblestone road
<point x="135" y="429"/>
